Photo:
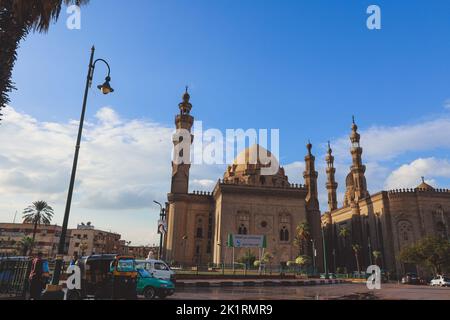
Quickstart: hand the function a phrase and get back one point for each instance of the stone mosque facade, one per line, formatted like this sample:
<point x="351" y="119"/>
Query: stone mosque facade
<point x="246" y="202"/>
<point x="242" y="202"/>
<point x="383" y="222"/>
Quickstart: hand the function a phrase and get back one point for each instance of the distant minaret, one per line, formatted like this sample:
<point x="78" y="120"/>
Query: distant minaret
<point x="331" y="181"/>
<point x="180" y="172"/>
<point x="358" y="169"/>
<point x="310" y="175"/>
<point x="312" y="205"/>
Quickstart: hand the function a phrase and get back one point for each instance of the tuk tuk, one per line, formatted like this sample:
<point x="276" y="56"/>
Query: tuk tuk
<point x="106" y="276"/>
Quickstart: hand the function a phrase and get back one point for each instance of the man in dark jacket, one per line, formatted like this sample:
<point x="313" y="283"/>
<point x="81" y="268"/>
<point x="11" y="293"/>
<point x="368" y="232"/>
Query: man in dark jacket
<point x="36" y="277"/>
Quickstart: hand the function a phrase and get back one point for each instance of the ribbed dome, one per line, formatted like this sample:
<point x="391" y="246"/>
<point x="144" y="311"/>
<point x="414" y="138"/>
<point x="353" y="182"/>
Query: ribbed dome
<point x="246" y="168"/>
<point x="252" y="156"/>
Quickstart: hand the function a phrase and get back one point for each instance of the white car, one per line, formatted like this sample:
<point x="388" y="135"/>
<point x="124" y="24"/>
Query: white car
<point x="440" y="281"/>
<point x="157" y="268"/>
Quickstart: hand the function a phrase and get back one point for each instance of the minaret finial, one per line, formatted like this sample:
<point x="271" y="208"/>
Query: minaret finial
<point x="353" y="119"/>
<point x="186" y="106"/>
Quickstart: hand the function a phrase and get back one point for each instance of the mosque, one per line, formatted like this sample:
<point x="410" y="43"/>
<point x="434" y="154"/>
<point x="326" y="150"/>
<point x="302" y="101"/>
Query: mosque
<point x="245" y="202"/>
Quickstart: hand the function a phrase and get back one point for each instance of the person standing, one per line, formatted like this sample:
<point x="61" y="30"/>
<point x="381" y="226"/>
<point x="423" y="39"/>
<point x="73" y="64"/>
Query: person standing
<point x="36" y="277"/>
<point x="74" y="259"/>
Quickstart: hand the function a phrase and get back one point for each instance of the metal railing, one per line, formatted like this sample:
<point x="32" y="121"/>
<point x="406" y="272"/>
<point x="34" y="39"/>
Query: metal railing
<point x="241" y="270"/>
<point x="14" y="277"/>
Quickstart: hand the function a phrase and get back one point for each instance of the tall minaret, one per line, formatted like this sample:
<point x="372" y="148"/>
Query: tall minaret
<point x="180" y="171"/>
<point x="310" y="175"/>
<point x="358" y="169"/>
<point x="312" y="205"/>
<point x="331" y="181"/>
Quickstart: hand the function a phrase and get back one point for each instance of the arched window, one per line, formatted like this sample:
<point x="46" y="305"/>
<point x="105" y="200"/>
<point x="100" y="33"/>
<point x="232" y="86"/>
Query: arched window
<point x="405" y="233"/>
<point x="242" y="229"/>
<point x="441" y="230"/>
<point x="284" y="234"/>
<point x="199" y="232"/>
<point x="199" y="228"/>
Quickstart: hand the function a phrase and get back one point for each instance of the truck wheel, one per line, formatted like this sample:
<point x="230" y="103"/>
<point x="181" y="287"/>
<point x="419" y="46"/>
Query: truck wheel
<point x="149" y="293"/>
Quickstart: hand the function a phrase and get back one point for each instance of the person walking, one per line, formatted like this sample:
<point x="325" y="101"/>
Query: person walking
<point x="36" y="277"/>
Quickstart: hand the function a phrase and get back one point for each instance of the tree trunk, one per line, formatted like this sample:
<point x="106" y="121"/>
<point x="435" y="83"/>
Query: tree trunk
<point x="10" y="35"/>
<point x="357" y="262"/>
<point x="34" y="235"/>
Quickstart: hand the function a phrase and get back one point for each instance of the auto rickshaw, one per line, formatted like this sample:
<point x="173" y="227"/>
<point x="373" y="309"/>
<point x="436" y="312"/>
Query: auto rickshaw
<point x="106" y="276"/>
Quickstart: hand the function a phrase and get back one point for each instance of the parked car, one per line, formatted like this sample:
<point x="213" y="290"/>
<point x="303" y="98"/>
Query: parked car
<point x="157" y="268"/>
<point x="411" y="278"/>
<point x="151" y="287"/>
<point x="330" y="276"/>
<point x="441" y="281"/>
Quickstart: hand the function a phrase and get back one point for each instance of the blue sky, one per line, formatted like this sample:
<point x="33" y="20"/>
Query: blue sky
<point x="304" y="67"/>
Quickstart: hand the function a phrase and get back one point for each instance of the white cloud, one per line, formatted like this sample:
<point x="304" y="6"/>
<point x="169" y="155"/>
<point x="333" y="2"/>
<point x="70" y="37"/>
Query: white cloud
<point x="409" y="175"/>
<point x="203" y="184"/>
<point x="123" y="166"/>
<point x="383" y="146"/>
<point x="385" y="143"/>
<point x="107" y="115"/>
<point x="294" y="171"/>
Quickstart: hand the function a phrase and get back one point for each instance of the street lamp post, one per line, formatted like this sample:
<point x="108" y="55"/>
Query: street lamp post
<point x="314" y="255"/>
<point x="334" y="260"/>
<point x="324" y="254"/>
<point x="162" y="217"/>
<point x="105" y="88"/>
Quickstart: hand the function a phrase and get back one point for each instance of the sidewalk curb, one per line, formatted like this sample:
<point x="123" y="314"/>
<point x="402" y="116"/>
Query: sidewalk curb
<point x="271" y="283"/>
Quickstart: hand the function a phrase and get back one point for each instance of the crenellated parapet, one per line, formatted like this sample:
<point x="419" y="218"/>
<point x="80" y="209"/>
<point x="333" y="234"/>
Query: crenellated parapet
<point x="415" y="191"/>
<point x="201" y="193"/>
<point x="285" y="186"/>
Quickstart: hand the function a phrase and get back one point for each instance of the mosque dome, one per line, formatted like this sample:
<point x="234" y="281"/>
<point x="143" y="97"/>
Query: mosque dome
<point x="248" y="165"/>
<point x="425" y="186"/>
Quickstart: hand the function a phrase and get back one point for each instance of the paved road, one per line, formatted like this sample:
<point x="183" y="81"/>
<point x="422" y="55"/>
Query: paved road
<point x="332" y="292"/>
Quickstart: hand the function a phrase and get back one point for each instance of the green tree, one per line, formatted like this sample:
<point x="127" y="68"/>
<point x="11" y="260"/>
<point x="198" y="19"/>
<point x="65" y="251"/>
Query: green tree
<point x="38" y="213"/>
<point x="431" y="253"/>
<point x="248" y="258"/>
<point x="356" y="249"/>
<point x="24" y="245"/>
<point x="303" y="261"/>
<point x="302" y="236"/>
<point x="376" y="256"/>
<point x="17" y="19"/>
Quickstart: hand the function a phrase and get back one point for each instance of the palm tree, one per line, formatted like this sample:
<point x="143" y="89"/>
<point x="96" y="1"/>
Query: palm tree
<point x="344" y="232"/>
<point x="38" y="213"/>
<point x="302" y="235"/>
<point x="377" y="256"/>
<point x="356" y="249"/>
<point x="24" y="245"/>
<point x="17" y="19"/>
